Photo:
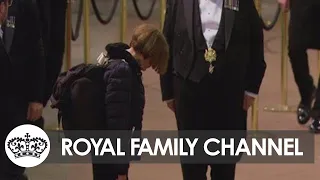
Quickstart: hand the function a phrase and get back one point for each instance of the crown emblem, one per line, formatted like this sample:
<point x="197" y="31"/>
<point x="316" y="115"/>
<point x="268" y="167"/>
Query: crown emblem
<point x="27" y="146"/>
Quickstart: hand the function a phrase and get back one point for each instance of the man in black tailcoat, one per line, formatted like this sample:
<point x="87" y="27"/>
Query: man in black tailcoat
<point x="215" y="71"/>
<point x="304" y="33"/>
<point x="23" y="43"/>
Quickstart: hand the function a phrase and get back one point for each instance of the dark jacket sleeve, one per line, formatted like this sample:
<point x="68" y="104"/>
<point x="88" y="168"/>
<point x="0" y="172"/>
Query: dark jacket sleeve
<point x="137" y="103"/>
<point x="166" y="80"/>
<point x="257" y="66"/>
<point x="36" y="61"/>
<point x="118" y="103"/>
<point x="118" y="96"/>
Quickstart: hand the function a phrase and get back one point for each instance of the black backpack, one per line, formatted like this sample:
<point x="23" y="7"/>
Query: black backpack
<point x="80" y="109"/>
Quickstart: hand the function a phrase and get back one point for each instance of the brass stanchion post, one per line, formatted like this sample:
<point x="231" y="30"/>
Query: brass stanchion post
<point x="255" y="115"/>
<point x="86" y="16"/>
<point x="255" y="109"/>
<point x="68" y="37"/>
<point x="123" y="20"/>
<point x="318" y="66"/>
<point x="284" y="62"/>
<point x="319" y="62"/>
<point x="162" y="12"/>
<point x="283" y="107"/>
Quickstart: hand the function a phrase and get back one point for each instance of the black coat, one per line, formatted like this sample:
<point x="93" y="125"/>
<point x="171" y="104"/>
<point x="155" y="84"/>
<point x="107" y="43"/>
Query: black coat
<point x="53" y="15"/>
<point x="5" y="71"/>
<point x="304" y="25"/>
<point x="24" y="45"/>
<point x="124" y="97"/>
<point x="243" y="67"/>
<point x="5" y="79"/>
<point x="5" y="75"/>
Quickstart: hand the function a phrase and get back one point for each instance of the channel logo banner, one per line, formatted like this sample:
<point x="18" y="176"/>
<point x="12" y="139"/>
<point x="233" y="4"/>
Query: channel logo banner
<point x="190" y="147"/>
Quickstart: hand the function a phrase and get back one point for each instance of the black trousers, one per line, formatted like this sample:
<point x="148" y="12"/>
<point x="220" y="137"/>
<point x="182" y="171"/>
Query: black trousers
<point x="104" y="172"/>
<point x="83" y="96"/>
<point x="8" y="171"/>
<point x="53" y="15"/>
<point x="300" y="27"/>
<point x="16" y="116"/>
<point x="195" y="110"/>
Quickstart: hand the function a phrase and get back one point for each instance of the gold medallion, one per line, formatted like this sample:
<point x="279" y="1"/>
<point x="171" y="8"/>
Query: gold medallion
<point x="210" y="55"/>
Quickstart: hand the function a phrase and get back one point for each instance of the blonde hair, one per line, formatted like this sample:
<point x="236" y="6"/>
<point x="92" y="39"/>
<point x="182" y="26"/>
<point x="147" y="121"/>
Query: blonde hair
<point x="150" y="42"/>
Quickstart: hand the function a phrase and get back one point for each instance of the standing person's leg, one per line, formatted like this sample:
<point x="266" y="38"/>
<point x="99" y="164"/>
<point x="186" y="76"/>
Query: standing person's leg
<point x="315" y="125"/>
<point x="223" y="171"/>
<point x="18" y="115"/>
<point x="191" y="114"/>
<point x="56" y="44"/>
<point x="10" y="171"/>
<point x="83" y="96"/>
<point x="299" y="61"/>
<point x="103" y="172"/>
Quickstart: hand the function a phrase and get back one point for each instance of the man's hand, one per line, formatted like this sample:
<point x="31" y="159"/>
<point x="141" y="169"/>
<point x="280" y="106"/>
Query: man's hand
<point x="247" y="102"/>
<point x="122" y="177"/>
<point x="171" y="105"/>
<point x="34" y="111"/>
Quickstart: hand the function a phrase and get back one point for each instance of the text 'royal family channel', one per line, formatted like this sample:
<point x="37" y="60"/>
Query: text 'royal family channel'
<point x="183" y="147"/>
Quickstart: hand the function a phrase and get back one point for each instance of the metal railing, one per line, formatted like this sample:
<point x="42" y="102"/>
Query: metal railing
<point x="98" y="14"/>
<point x="140" y="15"/>
<point x="84" y="14"/>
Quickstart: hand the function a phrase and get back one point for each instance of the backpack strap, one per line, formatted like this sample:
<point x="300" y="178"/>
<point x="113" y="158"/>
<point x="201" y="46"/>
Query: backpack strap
<point x="59" y="120"/>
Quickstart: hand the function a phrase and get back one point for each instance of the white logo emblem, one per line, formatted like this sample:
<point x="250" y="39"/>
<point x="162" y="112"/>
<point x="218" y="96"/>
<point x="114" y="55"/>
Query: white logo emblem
<point x="27" y="146"/>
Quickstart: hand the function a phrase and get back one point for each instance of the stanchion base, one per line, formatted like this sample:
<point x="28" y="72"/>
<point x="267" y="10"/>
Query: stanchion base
<point x="53" y="128"/>
<point x="281" y="108"/>
<point x="261" y="134"/>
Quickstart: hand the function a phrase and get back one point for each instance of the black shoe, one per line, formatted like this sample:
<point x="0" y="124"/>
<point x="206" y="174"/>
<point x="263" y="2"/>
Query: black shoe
<point x="315" y="126"/>
<point x="303" y="114"/>
<point x="304" y="109"/>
